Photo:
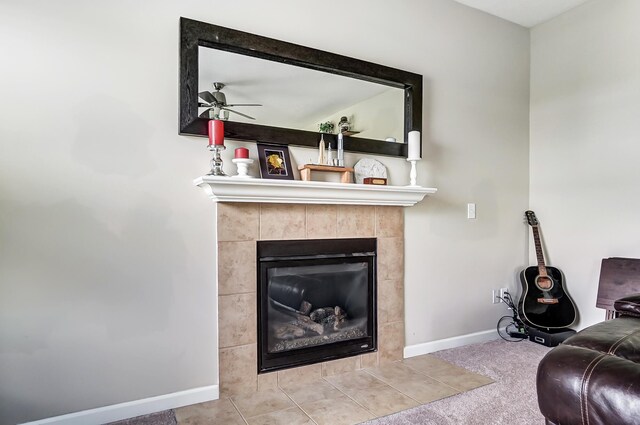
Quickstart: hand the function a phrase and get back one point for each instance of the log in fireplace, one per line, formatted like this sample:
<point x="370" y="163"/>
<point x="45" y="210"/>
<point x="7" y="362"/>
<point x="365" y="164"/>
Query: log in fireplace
<point x="316" y="301"/>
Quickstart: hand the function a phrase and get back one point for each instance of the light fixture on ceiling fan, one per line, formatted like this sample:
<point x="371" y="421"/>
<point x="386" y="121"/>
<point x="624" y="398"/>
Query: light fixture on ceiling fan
<point x="217" y="106"/>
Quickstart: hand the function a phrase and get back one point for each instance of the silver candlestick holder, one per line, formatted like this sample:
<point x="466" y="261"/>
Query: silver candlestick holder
<point x="216" y="160"/>
<point x="413" y="174"/>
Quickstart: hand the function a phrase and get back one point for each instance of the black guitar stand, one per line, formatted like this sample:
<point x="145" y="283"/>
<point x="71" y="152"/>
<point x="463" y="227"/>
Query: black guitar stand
<point x="511" y="328"/>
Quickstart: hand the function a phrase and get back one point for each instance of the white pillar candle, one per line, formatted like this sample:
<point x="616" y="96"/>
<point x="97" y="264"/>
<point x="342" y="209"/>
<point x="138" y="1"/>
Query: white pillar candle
<point x="414" y="145"/>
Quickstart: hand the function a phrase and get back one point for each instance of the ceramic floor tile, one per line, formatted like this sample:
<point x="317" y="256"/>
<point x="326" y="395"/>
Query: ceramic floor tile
<point x="209" y="413"/>
<point x="383" y="400"/>
<point x="314" y="391"/>
<point x="369" y="360"/>
<point x="392" y="372"/>
<point x="462" y="380"/>
<point x="428" y="364"/>
<point x="423" y="389"/>
<point x="447" y="373"/>
<point x="267" y="381"/>
<point x="336" y="367"/>
<point x="412" y="383"/>
<point x="310" y="373"/>
<point x="293" y="416"/>
<point x="342" y="399"/>
<point x="262" y="402"/>
<point x="340" y="411"/>
<point x="354" y="380"/>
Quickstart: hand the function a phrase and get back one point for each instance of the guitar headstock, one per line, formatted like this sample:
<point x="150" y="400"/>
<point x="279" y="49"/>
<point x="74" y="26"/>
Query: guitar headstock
<point x="531" y="218"/>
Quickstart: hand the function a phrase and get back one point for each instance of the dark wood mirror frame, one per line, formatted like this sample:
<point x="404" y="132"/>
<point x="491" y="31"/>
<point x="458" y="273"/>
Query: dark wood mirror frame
<point x="194" y="34"/>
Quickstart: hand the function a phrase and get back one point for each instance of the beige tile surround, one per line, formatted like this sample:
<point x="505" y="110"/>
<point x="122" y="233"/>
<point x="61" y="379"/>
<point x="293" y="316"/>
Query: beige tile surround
<point x="240" y="225"/>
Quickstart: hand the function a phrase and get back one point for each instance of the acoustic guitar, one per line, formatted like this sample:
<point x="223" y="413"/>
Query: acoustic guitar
<point x="544" y="303"/>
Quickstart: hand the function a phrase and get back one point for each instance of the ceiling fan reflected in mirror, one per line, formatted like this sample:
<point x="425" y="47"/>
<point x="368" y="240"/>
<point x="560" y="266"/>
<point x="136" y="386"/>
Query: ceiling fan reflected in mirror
<point x="217" y="106"/>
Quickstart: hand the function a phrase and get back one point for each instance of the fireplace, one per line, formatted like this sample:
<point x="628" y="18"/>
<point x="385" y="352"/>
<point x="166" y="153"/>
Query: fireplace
<point x="241" y="225"/>
<point x="316" y="300"/>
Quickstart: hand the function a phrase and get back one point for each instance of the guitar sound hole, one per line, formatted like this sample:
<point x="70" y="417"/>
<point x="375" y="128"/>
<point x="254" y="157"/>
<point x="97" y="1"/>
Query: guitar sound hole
<point x="544" y="283"/>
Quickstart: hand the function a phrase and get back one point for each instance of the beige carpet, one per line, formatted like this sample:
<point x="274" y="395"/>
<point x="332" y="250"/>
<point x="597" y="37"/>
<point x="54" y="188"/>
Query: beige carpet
<point x="510" y="400"/>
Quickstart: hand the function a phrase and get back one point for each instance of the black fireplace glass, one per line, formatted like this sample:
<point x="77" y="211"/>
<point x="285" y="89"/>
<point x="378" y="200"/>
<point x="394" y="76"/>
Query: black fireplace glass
<point x="316" y="301"/>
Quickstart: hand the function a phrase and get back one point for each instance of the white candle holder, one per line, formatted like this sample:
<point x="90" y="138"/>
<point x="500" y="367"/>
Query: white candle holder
<point x="413" y="174"/>
<point x="216" y="161"/>
<point x="243" y="166"/>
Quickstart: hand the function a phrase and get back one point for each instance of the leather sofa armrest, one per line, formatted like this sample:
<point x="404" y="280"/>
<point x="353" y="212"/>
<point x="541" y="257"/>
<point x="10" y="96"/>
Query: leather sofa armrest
<point x="629" y="306"/>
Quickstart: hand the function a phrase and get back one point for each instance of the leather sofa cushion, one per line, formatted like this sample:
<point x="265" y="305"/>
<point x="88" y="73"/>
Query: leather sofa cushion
<point x="594" y="377"/>
<point x="619" y="337"/>
<point x="628" y="305"/>
<point x="581" y="386"/>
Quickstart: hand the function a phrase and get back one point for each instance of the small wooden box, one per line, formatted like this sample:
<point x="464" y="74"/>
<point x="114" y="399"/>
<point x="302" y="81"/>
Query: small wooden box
<point x="305" y="171"/>
<point x="375" y="180"/>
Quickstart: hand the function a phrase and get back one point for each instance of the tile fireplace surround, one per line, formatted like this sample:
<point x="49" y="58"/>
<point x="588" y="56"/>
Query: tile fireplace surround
<point x="240" y="224"/>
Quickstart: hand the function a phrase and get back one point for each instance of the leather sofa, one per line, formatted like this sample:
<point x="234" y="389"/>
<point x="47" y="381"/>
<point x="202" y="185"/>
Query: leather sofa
<point x="593" y="377"/>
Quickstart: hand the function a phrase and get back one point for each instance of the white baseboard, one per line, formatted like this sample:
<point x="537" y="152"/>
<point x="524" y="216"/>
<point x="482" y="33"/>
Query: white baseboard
<point x="134" y="408"/>
<point x="443" y="344"/>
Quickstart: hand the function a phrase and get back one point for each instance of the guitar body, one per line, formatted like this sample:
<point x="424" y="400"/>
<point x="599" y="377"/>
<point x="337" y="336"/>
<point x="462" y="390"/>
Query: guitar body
<point x="550" y="308"/>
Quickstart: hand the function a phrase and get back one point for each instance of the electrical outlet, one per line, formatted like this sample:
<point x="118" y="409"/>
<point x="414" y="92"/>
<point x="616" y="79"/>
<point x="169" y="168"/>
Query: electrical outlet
<point x="497" y="294"/>
<point x="503" y="291"/>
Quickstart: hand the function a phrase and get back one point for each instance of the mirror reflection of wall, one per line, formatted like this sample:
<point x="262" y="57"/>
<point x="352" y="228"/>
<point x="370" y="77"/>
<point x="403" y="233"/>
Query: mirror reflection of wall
<point x="299" y="98"/>
<point x="378" y="117"/>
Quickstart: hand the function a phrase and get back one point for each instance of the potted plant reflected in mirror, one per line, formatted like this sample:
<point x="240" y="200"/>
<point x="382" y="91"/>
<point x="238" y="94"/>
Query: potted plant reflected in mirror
<point x="326" y="127"/>
<point x="275" y="162"/>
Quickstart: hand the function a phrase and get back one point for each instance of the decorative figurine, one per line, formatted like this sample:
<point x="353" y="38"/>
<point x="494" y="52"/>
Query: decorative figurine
<point x="344" y="125"/>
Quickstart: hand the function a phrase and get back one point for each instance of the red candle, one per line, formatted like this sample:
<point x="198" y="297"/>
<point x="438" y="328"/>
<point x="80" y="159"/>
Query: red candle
<point x="216" y="132"/>
<point x="241" y="153"/>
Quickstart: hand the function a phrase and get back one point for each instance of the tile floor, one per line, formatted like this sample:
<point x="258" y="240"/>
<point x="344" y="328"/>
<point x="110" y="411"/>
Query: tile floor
<point x="343" y="399"/>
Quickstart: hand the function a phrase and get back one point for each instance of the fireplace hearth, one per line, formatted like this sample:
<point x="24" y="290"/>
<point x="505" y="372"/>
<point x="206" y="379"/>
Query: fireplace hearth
<point x="316" y="301"/>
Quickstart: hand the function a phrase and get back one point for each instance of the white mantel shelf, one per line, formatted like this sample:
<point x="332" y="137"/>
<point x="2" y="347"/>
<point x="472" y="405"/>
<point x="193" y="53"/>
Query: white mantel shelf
<point x="233" y="189"/>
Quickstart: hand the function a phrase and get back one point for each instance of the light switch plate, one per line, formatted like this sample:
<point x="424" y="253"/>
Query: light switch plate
<point x="471" y="210"/>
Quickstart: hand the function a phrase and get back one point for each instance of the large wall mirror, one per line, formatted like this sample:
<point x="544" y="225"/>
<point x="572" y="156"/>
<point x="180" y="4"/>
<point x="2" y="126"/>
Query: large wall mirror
<point x="279" y="92"/>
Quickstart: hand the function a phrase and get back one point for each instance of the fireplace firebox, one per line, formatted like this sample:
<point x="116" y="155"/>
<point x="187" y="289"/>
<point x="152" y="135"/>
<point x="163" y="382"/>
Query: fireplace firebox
<point x="316" y="301"/>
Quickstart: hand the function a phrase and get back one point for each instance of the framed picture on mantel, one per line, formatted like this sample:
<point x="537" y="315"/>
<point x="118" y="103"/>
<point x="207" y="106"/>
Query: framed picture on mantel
<point x="274" y="162"/>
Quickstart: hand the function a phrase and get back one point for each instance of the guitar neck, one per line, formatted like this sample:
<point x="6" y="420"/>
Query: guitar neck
<point x="542" y="269"/>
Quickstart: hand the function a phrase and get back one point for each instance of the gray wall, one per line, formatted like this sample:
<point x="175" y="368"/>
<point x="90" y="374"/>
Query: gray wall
<point x="107" y="282"/>
<point x="585" y="104"/>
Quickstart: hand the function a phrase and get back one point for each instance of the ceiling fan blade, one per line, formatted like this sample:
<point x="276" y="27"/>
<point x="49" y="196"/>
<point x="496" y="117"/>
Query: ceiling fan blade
<point x="207" y="96"/>
<point x="245" y="104"/>
<point x="219" y="97"/>
<point x="204" y="105"/>
<point x="239" y="113"/>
